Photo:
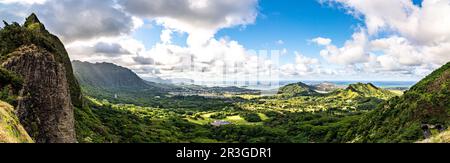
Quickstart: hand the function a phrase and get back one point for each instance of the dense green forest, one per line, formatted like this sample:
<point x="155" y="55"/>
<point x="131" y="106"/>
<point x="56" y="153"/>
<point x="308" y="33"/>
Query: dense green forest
<point x="298" y="114"/>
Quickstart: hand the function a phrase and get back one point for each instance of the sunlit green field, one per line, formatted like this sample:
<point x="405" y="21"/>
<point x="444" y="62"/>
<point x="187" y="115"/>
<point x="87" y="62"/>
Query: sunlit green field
<point x="234" y="119"/>
<point x="249" y="118"/>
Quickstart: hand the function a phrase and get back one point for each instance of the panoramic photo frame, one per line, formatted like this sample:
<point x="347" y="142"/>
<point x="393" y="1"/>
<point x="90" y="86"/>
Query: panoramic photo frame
<point x="217" y="79"/>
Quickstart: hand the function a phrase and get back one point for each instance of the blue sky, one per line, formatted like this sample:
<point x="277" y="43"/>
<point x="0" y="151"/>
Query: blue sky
<point x="336" y="39"/>
<point x="294" y="23"/>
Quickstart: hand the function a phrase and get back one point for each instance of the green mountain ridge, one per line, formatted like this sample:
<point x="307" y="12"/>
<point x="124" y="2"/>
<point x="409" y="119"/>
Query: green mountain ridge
<point x="107" y="75"/>
<point x="361" y="90"/>
<point x="297" y="89"/>
<point x="401" y="119"/>
<point x="114" y="78"/>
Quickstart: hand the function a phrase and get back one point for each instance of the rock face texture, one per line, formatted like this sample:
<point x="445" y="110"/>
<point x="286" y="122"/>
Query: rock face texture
<point x="44" y="108"/>
<point x="39" y="72"/>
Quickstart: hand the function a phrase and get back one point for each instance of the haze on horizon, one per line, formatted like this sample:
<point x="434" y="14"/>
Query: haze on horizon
<point x="401" y="40"/>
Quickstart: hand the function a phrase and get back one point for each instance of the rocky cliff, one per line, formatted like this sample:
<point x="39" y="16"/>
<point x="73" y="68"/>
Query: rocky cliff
<point x="49" y="91"/>
<point x="44" y="107"/>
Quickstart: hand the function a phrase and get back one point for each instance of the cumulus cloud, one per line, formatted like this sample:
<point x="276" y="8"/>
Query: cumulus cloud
<point x="322" y="41"/>
<point x="84" y="19"/>
<point x="109" y="48"/>
<point x="106" y="49"/>
<point x="353" y="52"/>
<point x="302" y="66"/>
<point x="23" y="1"/>
<point x="216" y="58"/>
<point x="166" y="36"/>
<point x="401" y="36"/>
<point x="194" y="14"/>
<point x="396" y="36"/>
<point x="201" y="19"/>
<point x="101" y="32"/>
<point x="426" y="24"/>
<point x="400" y="49"/>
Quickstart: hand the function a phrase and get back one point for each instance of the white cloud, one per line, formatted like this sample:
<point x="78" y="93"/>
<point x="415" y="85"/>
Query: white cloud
<point x="417" y="36"/>
<point x="75" y="20"/>
<point x="106" y="49"/>
<point x="101" y="32"/>
<point x="201" y="19"/>
<point x="280" y="42"/>
<point x="321" y="41"/>
<point x="353" y="52"/>
<point x="427" y="24"/>
<point x="396" y="37"/>
<point x="166" y="36"/>
<point x="399" y="49"/>
<point x="23" y="1"/>
<point x="303" y="66"/>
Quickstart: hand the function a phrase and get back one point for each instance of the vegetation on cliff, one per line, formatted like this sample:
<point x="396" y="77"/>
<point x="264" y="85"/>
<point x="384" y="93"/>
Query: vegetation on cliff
<point x="11" y="131"/>
<point x="37" y="79"/>
<point x="402" y="119"/>
<point x="10" y="84"/>
<point x="361" y="90"/>
<point x="33" y="32"/>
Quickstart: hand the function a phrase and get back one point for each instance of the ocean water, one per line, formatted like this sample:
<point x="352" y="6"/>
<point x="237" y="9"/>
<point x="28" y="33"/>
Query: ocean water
<point x="381" y="84"/>
<point x="267" y="85"/>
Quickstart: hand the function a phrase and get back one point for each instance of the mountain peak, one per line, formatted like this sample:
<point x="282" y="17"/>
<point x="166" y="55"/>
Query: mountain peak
<point x="33" y="18"/>
<point x="362" y="86"/>
<point x="107" y="75"/>
<point x="365" y="90"/>
<point x="297" y="89"/>
<point x="32" y="22"/>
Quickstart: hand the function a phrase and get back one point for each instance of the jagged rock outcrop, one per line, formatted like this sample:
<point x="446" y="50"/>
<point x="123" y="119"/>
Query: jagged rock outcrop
<point x="13" y="36"/>
<point x="44" y="107"/>
<point x="48" y="91"/>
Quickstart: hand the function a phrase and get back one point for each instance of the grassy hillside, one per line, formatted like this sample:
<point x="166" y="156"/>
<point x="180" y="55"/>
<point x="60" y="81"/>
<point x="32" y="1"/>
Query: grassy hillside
<point x="297" y="89"/>
<point x="443" y="137"/>
<point x="11" y="131"/>
<point x="401" y="118"/>
<point x="360" y="90"/>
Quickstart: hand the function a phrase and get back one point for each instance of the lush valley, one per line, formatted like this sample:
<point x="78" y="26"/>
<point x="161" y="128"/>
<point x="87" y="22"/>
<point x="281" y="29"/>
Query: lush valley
<point x="298" y="114"/>
<point x="48" y="99"/>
